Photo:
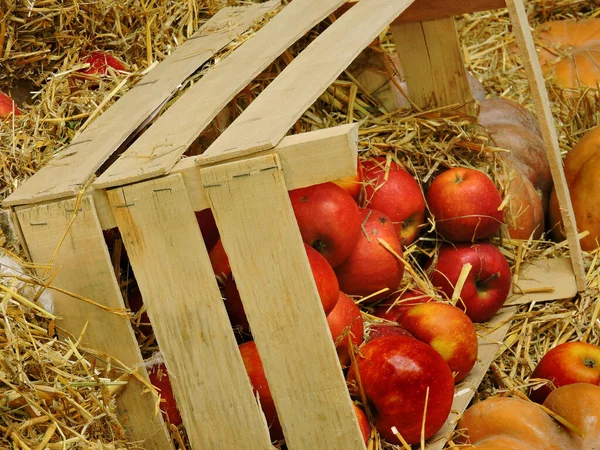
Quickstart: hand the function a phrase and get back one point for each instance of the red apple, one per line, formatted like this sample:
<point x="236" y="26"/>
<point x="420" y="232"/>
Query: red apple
<point x="393" y="307"/>
<point x="396" y="193"/>
<point x="256" y="373"/>
<point x="220" y="261"/>
<point x="168" y="406"/>
<point x="328" y="219"/>
<point x="464" y="203"/>
<point x="404" y="378"/>
<point x="567" y="363"/>
<point x="8" y="106"/>
<point x="382" y="330"/>
<point x="208" y="227"/>
<point x="100" y="62"/>
<point x="487" y="285"/>
<point x="323" y="274"/>
<point x="448" y="330"/>
<point x="371" y="266"/>
<point x="363" y="423"/>
<point x="352" y="185"/>
<point x="345" y="320"/>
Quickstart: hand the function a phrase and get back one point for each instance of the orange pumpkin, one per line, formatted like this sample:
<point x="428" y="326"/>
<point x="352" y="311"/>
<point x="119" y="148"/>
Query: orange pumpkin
<point x="582" y="171"/>
<point x="503" y="423"/>
<point x="570" y="52"/>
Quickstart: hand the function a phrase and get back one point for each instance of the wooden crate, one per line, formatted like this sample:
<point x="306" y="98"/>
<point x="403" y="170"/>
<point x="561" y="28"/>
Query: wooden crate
<point x="150" y="193"/>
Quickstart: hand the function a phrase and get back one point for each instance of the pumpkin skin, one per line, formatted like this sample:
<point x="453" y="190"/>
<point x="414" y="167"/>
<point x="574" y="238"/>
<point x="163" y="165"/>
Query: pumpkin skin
<point x="514" y="423"/>
<point x="581" y="166"/>
<point x="569" y="52"/>
<point x="495" y="110"/>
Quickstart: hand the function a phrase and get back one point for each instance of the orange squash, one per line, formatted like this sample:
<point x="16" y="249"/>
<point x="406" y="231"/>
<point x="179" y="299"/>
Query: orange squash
<point x="569" y="52"/>
<point x="582" y="171"/>
<point x="511" y="423"/>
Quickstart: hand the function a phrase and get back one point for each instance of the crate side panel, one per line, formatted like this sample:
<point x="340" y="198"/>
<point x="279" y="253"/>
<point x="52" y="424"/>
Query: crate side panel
<point x="68" y="172"/>
<point x="433" y="64"/>
<point x="85" y="269"/>
<point x="253" y="212"/>
<point x="161" y="146"/>
<point x="269" y="117"/>
<point x="188" y="316"/>
<point x="440" y="9"/>
<point x="309" y="158"/>
<point x="529" y="59"/>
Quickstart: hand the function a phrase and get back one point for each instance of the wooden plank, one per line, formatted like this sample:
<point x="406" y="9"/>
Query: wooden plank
<point x="491" y="335"/>
<point x="188" y="315"/>
<point x="269" y="117"/>
<point x="309" y="158"/>
<point x="433" y="64"/>
<point x="544" y="280"/>
<point x="253" y="212"/>
<point x="162" y="145"/>
<point x="440" y="9"/>
<point x="85" y="268"/>
<point x="529" y="59"/>
<point x="65" y="175"/>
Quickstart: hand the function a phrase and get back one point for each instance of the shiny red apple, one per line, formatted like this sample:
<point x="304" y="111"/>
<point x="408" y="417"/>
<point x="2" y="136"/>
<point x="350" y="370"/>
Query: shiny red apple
<point x="159" y="378"/>
<point x="100" y="62"/>
<point x="371" y="266"/>
<point x="395" y="192"/>
<point x="328" y="219"/>
<point x="380" y="330"/>
<point x="567" y="363"/>
<point x="8" y="106"/>
<point x="487" y="284"/>
<point x="465" y="204"/>
<point x="352" y="184"/>
<point x="363" y="423"/>
<point x="405" y="379"/>
<point x="448" y="330"/>
<point x="256" y="373"/>
<point x="345" y="321"/>
<point x="393" y="307"/>
<point x="220" y="261"/>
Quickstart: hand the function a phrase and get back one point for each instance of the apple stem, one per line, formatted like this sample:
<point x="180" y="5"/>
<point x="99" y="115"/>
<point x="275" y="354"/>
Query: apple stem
<point x="488" y="279"/>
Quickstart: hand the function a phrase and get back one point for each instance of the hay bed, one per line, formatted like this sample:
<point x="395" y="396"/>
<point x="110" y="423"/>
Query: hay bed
<point x="50" y="392"/>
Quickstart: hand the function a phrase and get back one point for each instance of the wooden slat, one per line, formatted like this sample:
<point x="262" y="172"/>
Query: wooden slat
<point x="529" y="59"/>
<point x="68" y="172"/>
<point x="269" y="117"/>
<point x="491" y="336"/>
<point x="433" y="64"/>
<point x="308" y="158"/>
<point x="544" y="280"/>
<point x="440" y="9"/>
<point x="161" y="146"/>
<point x="85" y="269"/>
<point x="253" y="212"/>
<point x="188" y="315"/>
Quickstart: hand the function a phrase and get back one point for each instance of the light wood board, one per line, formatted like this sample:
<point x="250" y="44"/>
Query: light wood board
<point x="544" y="280"/>
<point x="85" y="268"/>
<point x="161" y="146"/>
<point x="529" y="59"/>
<point x="65" y="175"/>
<point x="433" y="64"/>
<point x="270" y="116"/>
<point x="308" y="158"/>
<point x="188" y="315"/>
<point x="491" y="336"/>
<point x="255" y="218"/>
